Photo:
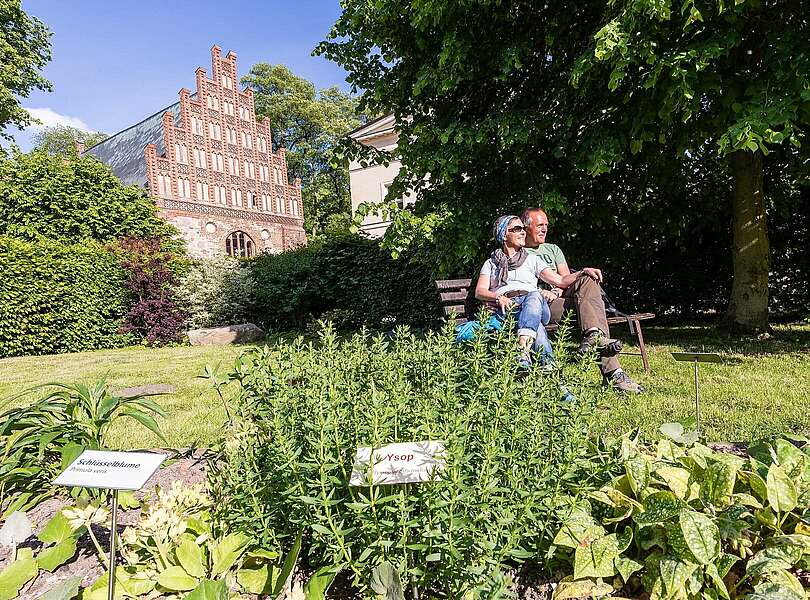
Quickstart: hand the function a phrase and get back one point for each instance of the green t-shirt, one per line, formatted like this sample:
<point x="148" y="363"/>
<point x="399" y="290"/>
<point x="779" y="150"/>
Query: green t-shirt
<point x="551" y="255"/>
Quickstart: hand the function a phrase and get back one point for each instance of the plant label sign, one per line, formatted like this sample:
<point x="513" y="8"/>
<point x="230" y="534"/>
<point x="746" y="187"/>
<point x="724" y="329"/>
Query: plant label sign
<point x="410" y="462"/>
<point x="708" y="357"/>
<point x="111" y="470"/>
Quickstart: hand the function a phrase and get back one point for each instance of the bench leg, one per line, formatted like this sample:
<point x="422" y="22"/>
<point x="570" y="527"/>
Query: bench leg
<point x="644" y="359"/>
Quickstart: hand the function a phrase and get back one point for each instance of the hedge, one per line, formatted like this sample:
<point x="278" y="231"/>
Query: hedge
<point x="348" y="280"/>
<point x="60" y="298"/>
<point x="215" y="291"/>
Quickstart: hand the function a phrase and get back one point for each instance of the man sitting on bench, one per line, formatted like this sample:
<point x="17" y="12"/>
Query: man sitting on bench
<point x="584" y="295"/>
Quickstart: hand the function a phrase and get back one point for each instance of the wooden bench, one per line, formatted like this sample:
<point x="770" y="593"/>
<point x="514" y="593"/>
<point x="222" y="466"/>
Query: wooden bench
<point x="456" y="299"/>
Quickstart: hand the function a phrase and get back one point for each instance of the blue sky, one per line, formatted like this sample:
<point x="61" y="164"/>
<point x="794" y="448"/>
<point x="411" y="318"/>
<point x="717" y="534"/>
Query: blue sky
<point x="116" y="62"/>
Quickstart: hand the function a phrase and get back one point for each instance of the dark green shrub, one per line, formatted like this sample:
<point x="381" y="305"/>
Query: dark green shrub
<point x="350" y="279"/>
<point x="62" y="290"/>
<point x="512" y="446"/>
<point x="58" y="298"/>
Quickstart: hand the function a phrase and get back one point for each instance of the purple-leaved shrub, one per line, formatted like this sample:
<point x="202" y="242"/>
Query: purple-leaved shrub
<point x="155" y="315"/>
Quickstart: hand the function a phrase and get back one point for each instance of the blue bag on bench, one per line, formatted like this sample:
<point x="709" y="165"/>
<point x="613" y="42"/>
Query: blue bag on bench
<point x="466" y="331"/>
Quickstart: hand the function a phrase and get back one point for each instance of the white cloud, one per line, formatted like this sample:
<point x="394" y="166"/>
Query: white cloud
<point x="51" y="118"/>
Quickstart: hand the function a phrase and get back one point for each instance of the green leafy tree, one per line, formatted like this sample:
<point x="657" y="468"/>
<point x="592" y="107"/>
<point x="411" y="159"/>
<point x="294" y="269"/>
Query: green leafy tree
<point x="25" y="48"/>
<point x="71" y="199"/>
<point x="509" y="104"/>
<point x="732" y="77"/>
<point x="62" y="139"/>
<point x="308" y="124"/>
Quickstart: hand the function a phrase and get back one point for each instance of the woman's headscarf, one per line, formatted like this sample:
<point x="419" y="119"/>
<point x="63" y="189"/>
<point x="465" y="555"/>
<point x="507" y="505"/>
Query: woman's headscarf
<point x="503" y="262"/>
<point x="500" y="226"/>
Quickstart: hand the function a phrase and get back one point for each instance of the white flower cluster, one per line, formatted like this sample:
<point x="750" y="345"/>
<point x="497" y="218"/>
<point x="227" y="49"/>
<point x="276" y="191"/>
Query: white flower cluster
<point x="160" y="523"/>
<point x="184" y="500"/>
<point x="241" y="433"/>
<point x="84" y="517"/>
<point x="164" y="520"/>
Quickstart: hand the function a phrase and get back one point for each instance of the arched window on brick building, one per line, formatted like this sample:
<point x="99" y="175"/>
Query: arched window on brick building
<point x="239" y="244"/>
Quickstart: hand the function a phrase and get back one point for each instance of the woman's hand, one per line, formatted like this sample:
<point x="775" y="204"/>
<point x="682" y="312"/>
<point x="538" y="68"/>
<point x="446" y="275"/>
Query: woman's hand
<point x="595" y="274"/>
<point x="549" y="295"/>
<point x="504" y="302"/>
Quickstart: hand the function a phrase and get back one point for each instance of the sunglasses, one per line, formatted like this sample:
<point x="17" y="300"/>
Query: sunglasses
<point x="516" y="229"/>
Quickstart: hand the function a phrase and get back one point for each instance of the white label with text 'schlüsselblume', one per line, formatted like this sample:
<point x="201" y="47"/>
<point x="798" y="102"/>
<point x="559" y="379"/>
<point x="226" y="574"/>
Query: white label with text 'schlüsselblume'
<point x="111" y="470"/>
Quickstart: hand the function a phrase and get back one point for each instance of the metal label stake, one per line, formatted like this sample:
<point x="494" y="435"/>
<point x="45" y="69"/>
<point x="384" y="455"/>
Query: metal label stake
<point x="113" y="541"/>
<point x="696" y="358"/>
<point x="697" y="399"/>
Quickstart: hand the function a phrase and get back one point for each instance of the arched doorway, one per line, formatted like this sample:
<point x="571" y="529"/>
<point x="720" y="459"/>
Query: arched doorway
<point x="239" y="244"/>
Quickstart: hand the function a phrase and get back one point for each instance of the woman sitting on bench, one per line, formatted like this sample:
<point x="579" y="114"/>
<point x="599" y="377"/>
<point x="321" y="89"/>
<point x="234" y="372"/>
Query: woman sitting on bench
<point x="508" y="281"/>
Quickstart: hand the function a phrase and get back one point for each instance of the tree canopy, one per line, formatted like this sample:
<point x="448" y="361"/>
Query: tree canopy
<point x="71" y="199"/>
<point x="25" y="48"/>
<point x="62" y="139"/>
<point x="505" y="105"/>
<point x="308" y="124"/>
<point x="734" y="78"/>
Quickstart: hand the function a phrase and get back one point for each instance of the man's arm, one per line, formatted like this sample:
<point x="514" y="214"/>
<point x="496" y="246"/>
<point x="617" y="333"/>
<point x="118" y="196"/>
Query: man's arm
<point x="563" y="281"/>
<point x="563" y="270"/>
<point x="562" y="265"/>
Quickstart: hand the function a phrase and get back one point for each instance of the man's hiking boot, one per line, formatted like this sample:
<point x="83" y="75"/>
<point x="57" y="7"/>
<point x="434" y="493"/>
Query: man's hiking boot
<point x="621" y="382"/>
<point x="605" y="346"/>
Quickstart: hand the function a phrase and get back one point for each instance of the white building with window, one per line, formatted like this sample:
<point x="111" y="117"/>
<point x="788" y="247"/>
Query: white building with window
<point x="370" y="184"/>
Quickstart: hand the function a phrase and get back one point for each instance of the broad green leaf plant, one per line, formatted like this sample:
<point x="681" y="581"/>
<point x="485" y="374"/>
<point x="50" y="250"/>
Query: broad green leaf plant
<point x="58" y="545"/>
<point x="173" y="549"/>
<point x="39" y="440"/>
<point x="682" y="521"/>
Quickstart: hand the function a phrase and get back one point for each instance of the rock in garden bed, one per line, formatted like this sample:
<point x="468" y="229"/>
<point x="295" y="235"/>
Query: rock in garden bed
<point x="150" y="389"/>
<point x="221" y="336"/>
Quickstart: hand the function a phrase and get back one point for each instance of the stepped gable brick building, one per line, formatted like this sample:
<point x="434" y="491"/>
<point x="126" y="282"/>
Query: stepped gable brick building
<point x="211" y="167"/>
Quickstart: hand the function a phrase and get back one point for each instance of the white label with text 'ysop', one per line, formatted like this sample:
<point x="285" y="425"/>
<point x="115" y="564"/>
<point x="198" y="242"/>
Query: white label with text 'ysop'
<point x="111" y="470"/>
<point x="409" y="462"/>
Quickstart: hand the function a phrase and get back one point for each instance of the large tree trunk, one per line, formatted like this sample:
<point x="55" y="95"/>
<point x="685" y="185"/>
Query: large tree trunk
<point x="748" y="305"/>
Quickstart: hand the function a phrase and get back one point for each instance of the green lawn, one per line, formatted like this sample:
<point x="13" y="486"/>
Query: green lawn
<point x="765" y="389"/>
<point x="195" y="413"/>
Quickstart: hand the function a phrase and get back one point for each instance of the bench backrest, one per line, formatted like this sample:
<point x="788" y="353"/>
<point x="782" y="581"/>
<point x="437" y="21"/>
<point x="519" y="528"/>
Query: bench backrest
<point x="455" y="297"/>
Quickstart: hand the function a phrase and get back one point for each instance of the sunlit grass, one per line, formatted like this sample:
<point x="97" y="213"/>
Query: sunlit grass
<point x="194" y="413"/>
<point x="764" y="389"/>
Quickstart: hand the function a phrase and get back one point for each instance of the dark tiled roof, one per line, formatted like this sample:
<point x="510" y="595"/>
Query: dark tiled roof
<point x="124" y="151"/>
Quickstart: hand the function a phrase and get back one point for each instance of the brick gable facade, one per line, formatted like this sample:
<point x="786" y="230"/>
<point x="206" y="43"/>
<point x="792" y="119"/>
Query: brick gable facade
<point x="213" y="171"/>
